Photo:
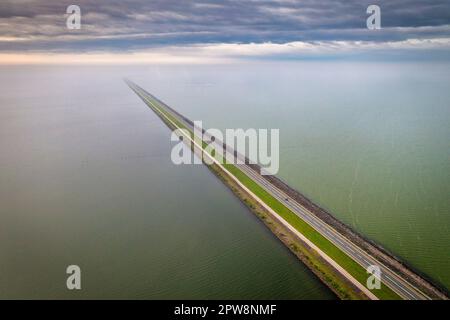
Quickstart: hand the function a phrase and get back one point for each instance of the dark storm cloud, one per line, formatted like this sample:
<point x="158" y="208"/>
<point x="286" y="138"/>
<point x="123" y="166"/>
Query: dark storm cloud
<point x="129" y="25"/>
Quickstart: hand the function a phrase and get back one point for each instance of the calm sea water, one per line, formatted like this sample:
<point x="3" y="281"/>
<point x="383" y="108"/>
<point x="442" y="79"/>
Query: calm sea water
<point x="86" y="176"/>
<point x="86" y="179"/>
<point x="368" y="141"/>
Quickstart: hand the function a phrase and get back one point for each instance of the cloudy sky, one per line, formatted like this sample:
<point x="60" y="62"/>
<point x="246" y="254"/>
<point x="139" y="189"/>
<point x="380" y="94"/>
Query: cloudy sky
<point x="221" y="30"/>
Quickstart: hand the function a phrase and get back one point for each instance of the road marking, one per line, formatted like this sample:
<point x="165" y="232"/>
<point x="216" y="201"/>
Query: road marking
<point x="277" y="194"/>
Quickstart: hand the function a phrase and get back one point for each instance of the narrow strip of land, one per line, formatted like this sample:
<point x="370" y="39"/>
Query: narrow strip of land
<point x="349" y="259"/>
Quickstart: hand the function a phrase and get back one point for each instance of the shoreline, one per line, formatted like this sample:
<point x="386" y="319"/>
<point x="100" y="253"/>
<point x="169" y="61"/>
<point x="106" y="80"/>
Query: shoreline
<point x="328" y="269"/>
<point x="400" y="267"/>
<point x="397" y="265"/>
<point x="340" y="286"/>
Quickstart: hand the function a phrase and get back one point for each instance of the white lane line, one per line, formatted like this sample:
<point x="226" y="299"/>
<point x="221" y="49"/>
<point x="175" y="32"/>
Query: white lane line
<point x="335" y="239"/>
<point x="284" y="222"/>
<point x="315" y="223"/>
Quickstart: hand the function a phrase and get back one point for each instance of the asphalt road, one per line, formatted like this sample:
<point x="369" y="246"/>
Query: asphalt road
<point x="388" y="277"/>
<point x="399" y="285"/>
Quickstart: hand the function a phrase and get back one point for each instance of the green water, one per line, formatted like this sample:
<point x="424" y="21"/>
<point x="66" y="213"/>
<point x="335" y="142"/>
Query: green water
<point x="86" y="179"/>
<point x="368" y="141"/>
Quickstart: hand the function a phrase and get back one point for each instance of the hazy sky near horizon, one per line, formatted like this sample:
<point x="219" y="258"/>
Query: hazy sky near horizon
<point x="190" y="31"/>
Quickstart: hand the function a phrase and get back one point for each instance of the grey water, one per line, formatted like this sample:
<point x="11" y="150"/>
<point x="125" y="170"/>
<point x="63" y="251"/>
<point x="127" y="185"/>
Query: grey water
<point x="86" y="179"/>
<point x="86" y="176"/>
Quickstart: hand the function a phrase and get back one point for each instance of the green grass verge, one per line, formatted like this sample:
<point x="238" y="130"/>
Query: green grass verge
<point x="351" y="266"/>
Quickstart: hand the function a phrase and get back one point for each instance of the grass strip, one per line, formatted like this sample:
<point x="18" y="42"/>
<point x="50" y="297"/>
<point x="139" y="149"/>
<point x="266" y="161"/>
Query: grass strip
<point x="351" y="266"/>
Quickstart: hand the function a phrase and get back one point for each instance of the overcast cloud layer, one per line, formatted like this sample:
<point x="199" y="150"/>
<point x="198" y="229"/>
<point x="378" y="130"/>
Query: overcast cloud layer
<point x="285" y="28"/>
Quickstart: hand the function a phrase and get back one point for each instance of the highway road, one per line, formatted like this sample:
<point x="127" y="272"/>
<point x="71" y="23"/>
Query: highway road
<point x="388" y="277"/>
<point x="391" y="279"/>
